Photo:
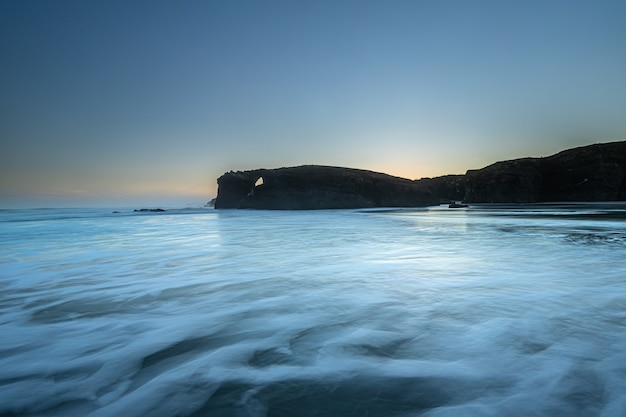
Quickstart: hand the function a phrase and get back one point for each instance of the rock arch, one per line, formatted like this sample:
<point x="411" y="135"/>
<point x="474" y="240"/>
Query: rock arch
<point x="255" y="185"/>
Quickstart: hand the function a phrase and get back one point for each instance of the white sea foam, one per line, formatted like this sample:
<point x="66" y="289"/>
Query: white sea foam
<point x="436" y="312"/>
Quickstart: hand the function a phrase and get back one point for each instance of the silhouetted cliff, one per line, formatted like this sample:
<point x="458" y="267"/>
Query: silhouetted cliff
<point x="318" y="187"/>
<point x="589" y="173"/>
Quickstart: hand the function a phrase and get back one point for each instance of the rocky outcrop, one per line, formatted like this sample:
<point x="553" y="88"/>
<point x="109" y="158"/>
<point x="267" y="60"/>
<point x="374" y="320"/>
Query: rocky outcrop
<point x="590" y="173"/>
<point x="318" y="187"/>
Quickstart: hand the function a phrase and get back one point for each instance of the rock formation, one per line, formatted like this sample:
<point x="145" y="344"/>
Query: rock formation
<point x="318" y="187"/>
<point x="589" y="173"/>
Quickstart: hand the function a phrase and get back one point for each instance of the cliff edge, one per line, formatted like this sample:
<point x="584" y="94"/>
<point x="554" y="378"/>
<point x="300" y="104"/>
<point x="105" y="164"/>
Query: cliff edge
<point x="589" y="173"/>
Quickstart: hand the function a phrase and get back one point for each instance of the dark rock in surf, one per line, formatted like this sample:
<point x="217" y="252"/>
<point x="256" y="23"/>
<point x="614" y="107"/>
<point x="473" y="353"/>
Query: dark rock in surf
<point x="318" y="187"/>
<point x="149" y="210"/>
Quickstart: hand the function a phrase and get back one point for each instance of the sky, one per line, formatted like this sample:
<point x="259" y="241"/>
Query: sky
<point x="148" y="102"/>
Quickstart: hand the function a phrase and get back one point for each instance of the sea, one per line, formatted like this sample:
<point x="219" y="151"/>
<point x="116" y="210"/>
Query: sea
<point x="490" y="310"/>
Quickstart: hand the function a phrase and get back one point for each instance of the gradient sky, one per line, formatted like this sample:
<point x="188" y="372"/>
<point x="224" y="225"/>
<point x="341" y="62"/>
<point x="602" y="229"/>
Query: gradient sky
<point x="112" y="102"/>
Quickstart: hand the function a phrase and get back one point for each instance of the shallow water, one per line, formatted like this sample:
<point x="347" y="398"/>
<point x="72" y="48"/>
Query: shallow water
<point x="487" y="311"/>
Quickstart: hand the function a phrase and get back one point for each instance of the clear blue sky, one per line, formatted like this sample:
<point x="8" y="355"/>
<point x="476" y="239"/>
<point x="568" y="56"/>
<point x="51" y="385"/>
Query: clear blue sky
<point x="111" y="102"/>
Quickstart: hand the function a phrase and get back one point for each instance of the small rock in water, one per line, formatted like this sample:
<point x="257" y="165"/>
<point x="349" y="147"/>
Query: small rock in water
<point x="145" y="210"/>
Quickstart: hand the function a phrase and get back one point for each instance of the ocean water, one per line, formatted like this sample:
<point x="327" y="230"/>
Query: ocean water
<point x="486" y="311"/>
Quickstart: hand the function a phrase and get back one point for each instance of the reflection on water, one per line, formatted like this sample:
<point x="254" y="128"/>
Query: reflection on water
<point x="486" y="311"/>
